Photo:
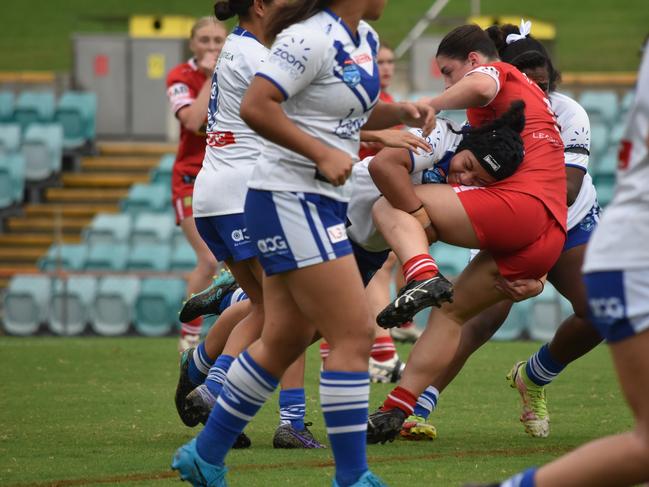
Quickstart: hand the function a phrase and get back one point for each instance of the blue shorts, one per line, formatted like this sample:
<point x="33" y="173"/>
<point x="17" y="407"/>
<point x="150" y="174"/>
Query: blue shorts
<point x="368" y="262"/>
<point x="226" y="236"/>
<point x="580" y="233"/>
<point x="295" y="230"/>
<point x="618" y="302"/>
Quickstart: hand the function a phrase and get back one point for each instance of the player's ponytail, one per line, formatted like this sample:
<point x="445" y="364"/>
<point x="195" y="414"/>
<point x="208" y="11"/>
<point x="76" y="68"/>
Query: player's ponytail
<point x="225" y="9"/>
<point x="293" y="13"/>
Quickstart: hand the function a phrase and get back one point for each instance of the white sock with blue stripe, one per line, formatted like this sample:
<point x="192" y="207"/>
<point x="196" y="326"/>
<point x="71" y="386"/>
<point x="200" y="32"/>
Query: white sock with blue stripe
<point x="523" y="479"/>
<point x="216" y="377"/>
<point x="427" y="402"/>
<point x="292" y="407"/>
<point x="246" y="389"/>
<point x="344" y="397"/>
<point x="199" y="365"/>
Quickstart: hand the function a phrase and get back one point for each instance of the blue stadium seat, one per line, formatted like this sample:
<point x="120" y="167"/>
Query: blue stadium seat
<point x="601" y="105"/>
<point x="161" y="174"/>
<point x="157" y="305"/>
<point x="108" y="228"/>
<point x="6" y="183"/>
<point x="34" y="107"/>
<point x="149" y="257"/>
<point x="546" y="314"/>
<point x="147" y="197"/>
<point x="515" y="324"/>
<point x="7" y="101"/>
<point x="9" y="138"/>
<point x="451" y="259"/>
<point x="72" y="302"/>
<point x="599" y="139"/>
<point x="153" y="228"/>
<point x="43" y="151"/>
<point x="113" y="306"/>
<point x="26" y="304"/>
<point x="183" y="258"/>
<point x="70" y="257"/>
<point x="12" y="179"/>
<point x="76" y="111"/>
<point x="107" y="257"/>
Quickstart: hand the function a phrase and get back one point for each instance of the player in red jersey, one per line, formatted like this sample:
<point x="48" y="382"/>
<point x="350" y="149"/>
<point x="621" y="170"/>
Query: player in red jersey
<point x="519" y="222"/>
<point x="188" y="90"/>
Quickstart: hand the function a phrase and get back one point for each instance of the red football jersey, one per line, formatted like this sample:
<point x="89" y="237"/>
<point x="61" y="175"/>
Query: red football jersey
<point x="542" y="173"/>
<point x="183" y="84"/>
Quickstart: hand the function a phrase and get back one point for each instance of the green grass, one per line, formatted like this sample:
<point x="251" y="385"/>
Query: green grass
<point x="593" y="35"/>
<point x="94" y="411"/>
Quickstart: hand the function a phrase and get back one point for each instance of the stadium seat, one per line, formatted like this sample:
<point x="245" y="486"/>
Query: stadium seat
<point x="605" y="192"/>
<point x="34" y="107"/>
<point x="515" y="324"/>
<point x="147" y="197"/>
<point x="107" y="257"/>
<point x="606" y="166"/>
<point x="599" y="138"/>
<point x="7" y="196"/>
<point x="76" y="111"/>
<point x="7" y="101"/>
<point x="177" y="237"/>
<point x="546" y="314"/>
<point x="616" y="135"/>
<point x="9" y="138"/>
<point x="113" y="306"/>
<point x="108" y="228"/>
<point x="161" y="174"/>
<point x="601" y="105"/>
<point x="72" y="302"/>
<point x="153" y="228"/>
<point x="183" y="258"/>
<point x="157" y="305"/>
<point x="451" y="259"/>
<point x="13" y="168"/>
<point x="43" y="151"/>
<point x="149" y="257"/>
<point x="71" y="257"/>
<point x="26" y="304"/>
<point x="625" y="106"/>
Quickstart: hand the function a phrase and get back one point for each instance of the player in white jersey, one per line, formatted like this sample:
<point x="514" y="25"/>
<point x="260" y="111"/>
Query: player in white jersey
<point x="310" y="99"/>
<point x="616" y="271"/>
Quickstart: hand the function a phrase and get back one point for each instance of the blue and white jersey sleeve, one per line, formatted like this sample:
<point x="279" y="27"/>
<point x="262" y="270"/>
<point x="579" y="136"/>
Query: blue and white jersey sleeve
<point x="295" y="59"/>
<point x="432" y="166"/>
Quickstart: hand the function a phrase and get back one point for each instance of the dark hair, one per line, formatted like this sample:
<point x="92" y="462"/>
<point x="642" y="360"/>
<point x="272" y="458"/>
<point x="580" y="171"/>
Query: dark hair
<point x="498" y="146"/>
<point x="462" y="40"/>
<point x="225" y="9"/>
<point x="526" y="53"/>
<point x="292" y="13"/>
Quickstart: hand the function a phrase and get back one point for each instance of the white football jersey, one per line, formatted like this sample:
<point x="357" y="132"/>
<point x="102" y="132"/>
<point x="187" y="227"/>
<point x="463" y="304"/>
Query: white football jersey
<point x="330" y="81"/>
<point x="620" y="241"/>
<point x="427" y="167"/>
<point x="232" y="147"/>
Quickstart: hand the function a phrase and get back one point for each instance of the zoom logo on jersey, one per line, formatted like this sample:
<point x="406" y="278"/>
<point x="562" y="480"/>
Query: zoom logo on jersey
<point x="239" y="235"/>
<point x="271" y="244"/>
<point x="294" y="64"/>
<point x="607" y="310"/>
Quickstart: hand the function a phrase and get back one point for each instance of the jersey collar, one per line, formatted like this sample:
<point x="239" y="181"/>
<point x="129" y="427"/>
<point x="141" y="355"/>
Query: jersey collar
<point x="240" y="31"/>
<point x="356" y="39"/>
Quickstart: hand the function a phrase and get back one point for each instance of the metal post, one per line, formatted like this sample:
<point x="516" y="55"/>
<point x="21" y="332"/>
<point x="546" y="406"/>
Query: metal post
<point x="420" y="27"/>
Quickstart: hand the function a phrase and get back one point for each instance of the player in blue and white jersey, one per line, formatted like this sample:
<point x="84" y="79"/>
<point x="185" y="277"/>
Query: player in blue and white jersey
<point x="318" y="87"/>
<point x="616" y="271"/>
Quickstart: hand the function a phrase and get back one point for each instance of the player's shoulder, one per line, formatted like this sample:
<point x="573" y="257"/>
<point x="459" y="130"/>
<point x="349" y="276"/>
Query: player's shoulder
<point x="180" y="73"/>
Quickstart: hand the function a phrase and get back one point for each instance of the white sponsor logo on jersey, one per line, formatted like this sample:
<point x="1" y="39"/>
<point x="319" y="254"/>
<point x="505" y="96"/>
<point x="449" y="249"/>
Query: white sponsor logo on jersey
<point x="271" y="244"/>
<point x="240" y="234"/>
<point x="337" y="233"/>
<point x="607" y="308"/>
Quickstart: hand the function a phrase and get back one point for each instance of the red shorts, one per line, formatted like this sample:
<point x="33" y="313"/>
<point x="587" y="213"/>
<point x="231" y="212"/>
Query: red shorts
<point x="182" y="189"/>
<point x="516" y="228"/>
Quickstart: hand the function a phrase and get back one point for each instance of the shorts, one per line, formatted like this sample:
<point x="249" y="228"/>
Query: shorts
<point x="292" y="230"/>
<point x="618" y="302"/>
<point x="368" y="262"/>
<point x="516" y="228"/>
<point x="580" y="233"/>
<point x="226" y="236"/>
<point x="182" y="189"/>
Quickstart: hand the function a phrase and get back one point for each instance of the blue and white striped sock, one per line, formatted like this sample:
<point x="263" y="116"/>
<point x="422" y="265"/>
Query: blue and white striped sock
<point x="199" y="365"/>
<point x="523" y="479"/>
<point x="232" y="297"/>
<point x="216" y="377"/>
<point x="344" y="398"/>
<point x="541" y="368"/>
<point x="427" y="402"/>
<point x="292" y="407"/>
<point x="246" y="389"/>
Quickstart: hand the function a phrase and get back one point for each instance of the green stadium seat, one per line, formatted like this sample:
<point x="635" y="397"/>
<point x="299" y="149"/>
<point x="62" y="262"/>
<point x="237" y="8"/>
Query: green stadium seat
<point x="9" y="138"/>
<point x="34" y="107"/>
<point x="451" y="259"/>
<point x="7" y="101"/>
<point x="162" y="173"/>
<point x="515" y="324"/>
<point x="149" y="257"/>
<point x="616" y="135"/>
<point x="43" y="151"/>
<point x="606" y="166"/>
<point x="147" y="197"/>
<point x="601" y="106"/>
<point x="599" y="139"/>
<point x="71" y="257"/>
<point x="26" y="304"/>
<point x="605" y="192"/>
<point x="107" y="257"/>
<point x="72" y="302"/>
<point x="114" y="303"/>
<point x="157" y="305"/>
<point x="183" y="258"/>
<point x="76" y="111"/>
<point x="546" y="314"/>
<point x="153" y="228"/>
<point x="108" y="228"/>
<point x="177" y="237"/>
<point x="7" y="197"/>
<point x="12" y="179"/>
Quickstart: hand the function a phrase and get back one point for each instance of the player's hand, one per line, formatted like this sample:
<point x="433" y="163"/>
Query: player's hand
<point x="335" y="165"/>
<point x="520" y="289"/>
<point x="402" y="139"/>
<point x="418" y="114"/>
<point x="207" y="63"/>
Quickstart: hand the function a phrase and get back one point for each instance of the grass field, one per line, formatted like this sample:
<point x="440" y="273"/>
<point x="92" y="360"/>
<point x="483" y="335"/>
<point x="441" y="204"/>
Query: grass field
<point x="593" y="35"/>
<point x="93" y="411"/>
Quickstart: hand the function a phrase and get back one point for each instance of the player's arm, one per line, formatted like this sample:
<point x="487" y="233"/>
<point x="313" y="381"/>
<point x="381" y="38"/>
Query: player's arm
<point x="474" y="90"/>
<point x="574" y="178"/>
<point x="394" y="138"/>
<point x="193" y="116"/>
<point x="385" y="115"/>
